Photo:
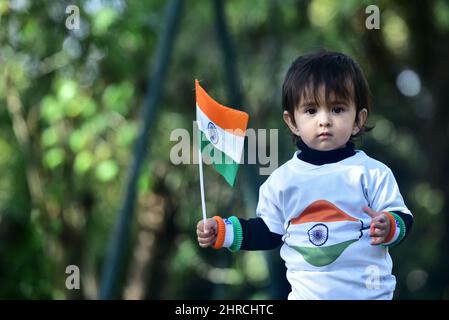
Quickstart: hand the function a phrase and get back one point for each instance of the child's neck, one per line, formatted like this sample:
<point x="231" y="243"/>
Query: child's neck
<point x="317" y="157"/>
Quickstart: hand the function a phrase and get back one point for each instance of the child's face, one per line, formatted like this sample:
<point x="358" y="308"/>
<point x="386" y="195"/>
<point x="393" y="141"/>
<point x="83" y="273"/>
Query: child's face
<point x="325" y="126"/>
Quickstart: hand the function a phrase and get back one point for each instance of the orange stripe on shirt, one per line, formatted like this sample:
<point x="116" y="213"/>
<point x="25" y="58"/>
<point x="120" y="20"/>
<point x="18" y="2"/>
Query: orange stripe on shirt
<point x="322" y="211"/>
<point x="224" y="117"/>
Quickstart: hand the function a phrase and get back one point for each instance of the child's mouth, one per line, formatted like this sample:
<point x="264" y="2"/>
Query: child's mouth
<point x="324" y="135"/>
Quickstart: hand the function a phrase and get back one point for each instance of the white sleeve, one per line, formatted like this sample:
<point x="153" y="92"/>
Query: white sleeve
<point x="269" y="209"/>
<point x="383" y="192"/>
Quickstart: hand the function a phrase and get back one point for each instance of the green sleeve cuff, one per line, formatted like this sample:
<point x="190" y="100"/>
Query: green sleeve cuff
<point x="238" y="234"/>
<point x="400" y="223"/>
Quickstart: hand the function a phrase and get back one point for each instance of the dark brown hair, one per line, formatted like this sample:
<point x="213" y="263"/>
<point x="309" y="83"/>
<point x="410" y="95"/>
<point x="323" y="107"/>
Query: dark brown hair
<point x="339" y="74"/>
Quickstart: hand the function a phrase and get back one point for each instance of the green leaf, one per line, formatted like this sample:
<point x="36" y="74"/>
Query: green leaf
<point x="126" y="134"/>
<point x="54" y="157"/>
<point x="83" y="162"/>
<point x="89" y="107"/>
<point x="49" y="137"/>
<point x="118" y="97"/>
<point x="78" y="140"/>
<point x="106" y="170"/>
<point x="67" y="90"/>
<point x="51" y="110"/>
<point x="103" y="20"/>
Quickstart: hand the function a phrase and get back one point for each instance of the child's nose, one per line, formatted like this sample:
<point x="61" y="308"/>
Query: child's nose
<point x="324" y="119"/>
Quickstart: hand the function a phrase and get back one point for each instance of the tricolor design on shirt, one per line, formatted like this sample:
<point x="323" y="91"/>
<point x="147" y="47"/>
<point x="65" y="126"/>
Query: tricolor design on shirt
<point x="222" y="133"/>
<point x="322" y="232"/>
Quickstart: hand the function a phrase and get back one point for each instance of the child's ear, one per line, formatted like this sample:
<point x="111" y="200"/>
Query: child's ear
<point x="360" y="121"/>
<point x="290" y="123"/>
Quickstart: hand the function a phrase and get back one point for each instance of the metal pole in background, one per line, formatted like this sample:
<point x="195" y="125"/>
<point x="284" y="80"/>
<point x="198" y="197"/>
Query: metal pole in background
<point x="233" y="85"/>
<point x="114" y="260"/>
<point x="279" y="287"/>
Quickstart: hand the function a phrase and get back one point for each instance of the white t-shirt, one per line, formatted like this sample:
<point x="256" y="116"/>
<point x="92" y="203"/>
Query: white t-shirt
<point x="319" y="211"/>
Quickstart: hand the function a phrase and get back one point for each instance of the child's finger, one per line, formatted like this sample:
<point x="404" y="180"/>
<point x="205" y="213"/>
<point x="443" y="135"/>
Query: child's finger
<point x="370" y="212"/>
<point x="204" y="235"/>
<point x="377" y="233"/>
<point x="376" y="241"/>
<point x="210" y="226"/>
<point x="381" y="218"/>
<point x="200" y="233"/>
<point x="203" y="244"/>
<point x="206" y="241"/>
<point x="378" y="236"/>
<point x="378" y="225"/>
<point x="199" y="225"/>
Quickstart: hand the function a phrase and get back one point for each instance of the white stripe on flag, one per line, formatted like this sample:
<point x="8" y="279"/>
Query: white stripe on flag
<point x="336" y="232"/>
<point x="230" y="144"/>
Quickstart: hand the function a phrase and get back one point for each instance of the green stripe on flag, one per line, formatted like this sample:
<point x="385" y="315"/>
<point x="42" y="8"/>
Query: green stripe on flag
<point x="322" y="256"/>
<point x="224" y="164"/>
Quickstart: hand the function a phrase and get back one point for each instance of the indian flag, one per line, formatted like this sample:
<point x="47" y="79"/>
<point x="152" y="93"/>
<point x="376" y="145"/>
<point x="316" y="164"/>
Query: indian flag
<point x="322" y="232"/>
<point x="222" y="133"/>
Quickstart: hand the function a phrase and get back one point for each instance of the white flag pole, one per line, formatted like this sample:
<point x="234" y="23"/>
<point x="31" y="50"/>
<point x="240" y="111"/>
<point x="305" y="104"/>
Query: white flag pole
<point x="200" y="163"/>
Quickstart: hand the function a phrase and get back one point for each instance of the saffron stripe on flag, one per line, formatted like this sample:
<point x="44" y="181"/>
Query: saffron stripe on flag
<point x="226" y="140"/>
<point x="322" y="211"/>
<point x="222" y="116"/>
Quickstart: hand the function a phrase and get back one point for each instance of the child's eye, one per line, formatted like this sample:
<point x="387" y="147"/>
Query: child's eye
<point x="310" y="110"/>
<point x="338" y="109"/>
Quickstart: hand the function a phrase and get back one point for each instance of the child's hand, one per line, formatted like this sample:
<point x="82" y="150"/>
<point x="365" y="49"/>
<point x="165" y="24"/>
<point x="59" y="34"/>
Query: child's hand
<point x="380" y="226"/>
<point x="206" y="234"/>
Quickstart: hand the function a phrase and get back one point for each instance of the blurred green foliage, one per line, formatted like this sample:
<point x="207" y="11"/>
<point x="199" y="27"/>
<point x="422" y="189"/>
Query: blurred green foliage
<point x="70" y="103"/>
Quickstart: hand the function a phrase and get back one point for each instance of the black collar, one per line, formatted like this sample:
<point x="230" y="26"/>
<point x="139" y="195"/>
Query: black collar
<point x="317" y="157"/>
